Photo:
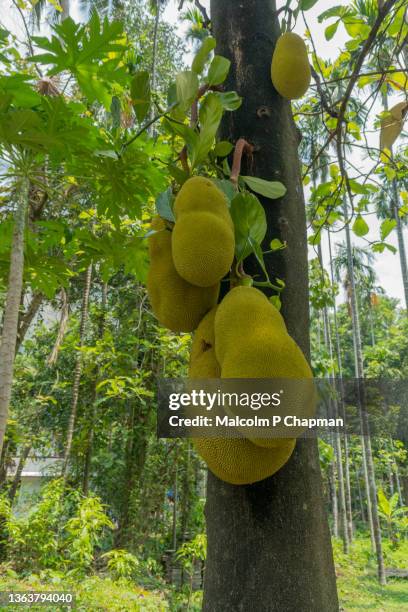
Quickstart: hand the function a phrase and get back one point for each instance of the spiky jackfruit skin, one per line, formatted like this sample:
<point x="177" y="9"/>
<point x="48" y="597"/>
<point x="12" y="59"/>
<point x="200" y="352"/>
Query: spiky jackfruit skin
<point x="252" y="342"/>
<point x="234" y="460"/>
<point x="177" y="304"/>
<point x="240" y="462"/>
<point x="203" y="363"/>
<point x="203" y="240"/>
<point x="290" y="71"/>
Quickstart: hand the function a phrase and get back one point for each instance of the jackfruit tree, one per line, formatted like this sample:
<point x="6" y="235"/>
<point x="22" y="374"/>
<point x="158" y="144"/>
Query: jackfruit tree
<point x="268" y="543"/>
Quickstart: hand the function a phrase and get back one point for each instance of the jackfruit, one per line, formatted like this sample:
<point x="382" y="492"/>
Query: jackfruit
<point x="203" y="240"/>
<point x="251" y="341"/>
<point x="234" y="460"/>
<point x="240" y="462"/>
<point x="290" y="71"/>
<point x="203" y="363"/>
<point x="177" y="304"/>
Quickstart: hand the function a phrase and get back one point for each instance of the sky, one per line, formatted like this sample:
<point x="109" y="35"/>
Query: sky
<point x="387" y="265"/>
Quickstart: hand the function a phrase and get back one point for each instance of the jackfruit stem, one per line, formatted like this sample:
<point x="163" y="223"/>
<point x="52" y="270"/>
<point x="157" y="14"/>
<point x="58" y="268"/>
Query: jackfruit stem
<point x="241" y="147"/>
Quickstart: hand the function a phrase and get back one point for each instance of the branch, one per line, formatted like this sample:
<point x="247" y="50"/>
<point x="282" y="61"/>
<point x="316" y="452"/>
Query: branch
<point x="145" y="127"/>
<point x="382" y="13"/>
<point x="325" y="104"/>
<point x="241" y="147"/>
<point x="26" y="319"/>
<point x="203" y="11"/>
<point x="27" y="31"/>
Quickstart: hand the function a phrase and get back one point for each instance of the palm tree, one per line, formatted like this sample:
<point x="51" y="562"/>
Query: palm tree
<point x="369" y="475"/>
<point x="310" y="146"/>
<point x="78" y="371"/>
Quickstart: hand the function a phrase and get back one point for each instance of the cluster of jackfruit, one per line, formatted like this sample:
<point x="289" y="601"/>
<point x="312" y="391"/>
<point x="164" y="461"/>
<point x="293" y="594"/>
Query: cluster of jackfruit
<point x="290" y="70"/>
<point x="188" y="259"/>
<point x="246" y="337"/>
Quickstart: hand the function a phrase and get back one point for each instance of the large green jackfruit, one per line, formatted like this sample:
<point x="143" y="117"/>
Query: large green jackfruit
<point x="234" y="460"/>
<point x="177" y="304"/>
<point x="251" y="341"/>
<point x="203" y="240"/>
<point x="290" y="69"/>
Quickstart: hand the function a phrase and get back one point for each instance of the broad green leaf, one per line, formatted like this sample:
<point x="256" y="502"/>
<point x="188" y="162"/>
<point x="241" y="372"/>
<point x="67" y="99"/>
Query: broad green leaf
<point x="226" y="187"/>
<point x="386" y="227"/>
<point x="210" y="117"/>
<point x="202" y="54"/>
<point x="164" y="204"/>
<point x="218" y="70"/>
<point x="250" y="224"/>
<point x="230" y="100"/>
<point x="140" y="92"/>
<point x="223" y="148"/>
<point x="277" y="245"/>
<point x="268" y="189"/>
<point x="360" y="227"/>
<point x="186" y="88"/>
<point x="305" y="5"/>
<point x="331" y="30"/>
<point x="334" y="11"/>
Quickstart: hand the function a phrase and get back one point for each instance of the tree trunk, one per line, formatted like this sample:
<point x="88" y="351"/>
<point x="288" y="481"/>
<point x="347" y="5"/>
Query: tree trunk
<point x="12" y="307"/>
<point x="77" y="373"/>
<point x="89" y="446"/>
<point x="336" y="435"/>
<point x="153" y="67"/>
<point x="365" y="429"/>
<point x="394" y="210"/>
<point x="341" y="403"/>
<point x="27" y="318"/>
<point x="17" y="478"/>
<point x="395" y="206"/>
<point x="268" y="543"/>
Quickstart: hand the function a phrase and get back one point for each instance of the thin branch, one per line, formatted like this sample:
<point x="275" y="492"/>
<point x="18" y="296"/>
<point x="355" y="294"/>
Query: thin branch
<point x="203" y="11"/>
<point x="27" y="31"/>
<point x="325" y="104"/>
<point x="241" y="147"/>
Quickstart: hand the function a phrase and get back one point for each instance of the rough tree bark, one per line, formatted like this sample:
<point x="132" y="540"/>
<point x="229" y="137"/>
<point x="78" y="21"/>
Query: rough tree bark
<point x="11" y="312"/>
<point x="269" y="544"/>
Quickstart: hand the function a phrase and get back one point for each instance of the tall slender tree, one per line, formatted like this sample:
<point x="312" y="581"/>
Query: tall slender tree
<point x="269" y="543"/>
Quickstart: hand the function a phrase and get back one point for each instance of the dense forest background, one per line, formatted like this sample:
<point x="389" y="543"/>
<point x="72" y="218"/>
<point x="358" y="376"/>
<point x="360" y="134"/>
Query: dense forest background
<point x="87" y="152"/>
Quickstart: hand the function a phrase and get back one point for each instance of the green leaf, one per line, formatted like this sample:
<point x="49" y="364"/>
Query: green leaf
<point x="277" y="245"/>
<point x="202" y="54"/>
<point x="360" y="227"/>
<point x="223" y="148"/>
<point x="210" y="117"/>
<point x="331" y="30"/>
<point x="268" y="189"/>
<point x="305" y="5"/>
<point x="164" y="204"/>
<point x="276" y="301"/>
<point x="250" y="224"/>
<point x="140" y="93"/>
<point x="226" y="187"/>
<point x="186" y="88"/>
<point x="230" y="100"/>
<point x="334" y="11"/>
<point x="386" y="227"/>
<point x="218" y="70"/>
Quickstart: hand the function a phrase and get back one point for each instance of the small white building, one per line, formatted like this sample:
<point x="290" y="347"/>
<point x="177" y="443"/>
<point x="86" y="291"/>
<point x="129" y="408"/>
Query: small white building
<point x="35" y="472"/>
